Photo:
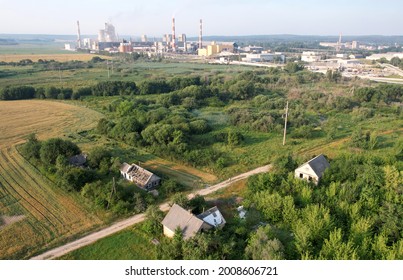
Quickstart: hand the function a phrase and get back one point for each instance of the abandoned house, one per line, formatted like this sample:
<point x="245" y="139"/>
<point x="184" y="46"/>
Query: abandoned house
<point x="140" y="176"/>
<point x="78" y="160"/>
<point x="189" y="223"/>
<point x="312" y="170"/>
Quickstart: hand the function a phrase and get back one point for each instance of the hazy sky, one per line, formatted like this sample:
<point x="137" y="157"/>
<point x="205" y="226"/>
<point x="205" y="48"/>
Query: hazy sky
<point x="220" y="17"/>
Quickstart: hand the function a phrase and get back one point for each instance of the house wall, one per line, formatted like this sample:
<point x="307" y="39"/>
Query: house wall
<point x="168" y="233"/>
<point x="307" y="174"/>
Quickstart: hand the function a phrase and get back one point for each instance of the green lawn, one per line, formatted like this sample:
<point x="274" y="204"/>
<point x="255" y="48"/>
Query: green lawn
<point x="128" y="244"/>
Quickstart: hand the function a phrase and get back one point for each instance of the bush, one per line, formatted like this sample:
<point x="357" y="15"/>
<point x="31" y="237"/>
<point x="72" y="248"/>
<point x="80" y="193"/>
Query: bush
<point x="52" y="148"/>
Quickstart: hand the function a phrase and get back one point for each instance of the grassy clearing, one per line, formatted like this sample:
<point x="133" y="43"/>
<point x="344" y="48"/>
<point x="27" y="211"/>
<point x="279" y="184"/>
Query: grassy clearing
<point x="129" y="244"/>
<point x="135" y="71"/>
<point x="51" y="214"/>
<point x="186" y="175"/>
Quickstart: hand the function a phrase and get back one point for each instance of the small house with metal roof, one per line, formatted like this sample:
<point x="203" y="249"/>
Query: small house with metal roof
<point x="313" y="170"/>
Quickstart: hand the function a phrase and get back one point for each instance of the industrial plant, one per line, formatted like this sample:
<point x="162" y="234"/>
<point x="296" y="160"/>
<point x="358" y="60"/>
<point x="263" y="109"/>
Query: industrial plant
<point x="109" y="41"/>
<point x="344" y="57"/>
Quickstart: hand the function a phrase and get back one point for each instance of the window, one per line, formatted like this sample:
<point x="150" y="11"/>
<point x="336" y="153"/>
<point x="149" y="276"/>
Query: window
<point x="310" y="179"/>
<point x="301" y="175"/>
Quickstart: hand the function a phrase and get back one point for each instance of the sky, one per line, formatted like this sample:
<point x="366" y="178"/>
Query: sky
<point x="220" y="17"/>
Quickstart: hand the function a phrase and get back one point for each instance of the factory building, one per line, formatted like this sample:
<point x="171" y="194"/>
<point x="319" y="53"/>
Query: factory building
<point x="310" y="57"/>
<point x="264" y="57"/>
<point x="108" y="34"/>
<point x="182" y="38"/>
<point x="215" y="48"/>
<point x="126" y="47"/>
<point x="355" y="45"/>
<point x="253" y="49"/>
<point x="87" y="43"/>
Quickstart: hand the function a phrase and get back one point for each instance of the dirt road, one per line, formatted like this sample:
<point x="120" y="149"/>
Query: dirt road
<point x="91" y="238"/>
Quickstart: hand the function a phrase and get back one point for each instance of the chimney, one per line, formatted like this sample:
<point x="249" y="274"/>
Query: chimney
<point x="78" y="35"/>
<point x="201" y="34"/>
<point x="173" y="35"/>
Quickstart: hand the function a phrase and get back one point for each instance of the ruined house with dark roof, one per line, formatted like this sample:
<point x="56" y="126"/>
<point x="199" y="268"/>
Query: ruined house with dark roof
<point x="140" y="176"/>
<point x="78" y="160"/>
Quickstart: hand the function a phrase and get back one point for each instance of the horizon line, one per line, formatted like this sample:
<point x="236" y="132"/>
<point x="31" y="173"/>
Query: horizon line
<point x="196" y="36"/>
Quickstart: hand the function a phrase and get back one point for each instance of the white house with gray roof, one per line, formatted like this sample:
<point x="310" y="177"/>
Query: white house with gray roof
<point x="312" y="170"/>
<point x="213" y="217"/>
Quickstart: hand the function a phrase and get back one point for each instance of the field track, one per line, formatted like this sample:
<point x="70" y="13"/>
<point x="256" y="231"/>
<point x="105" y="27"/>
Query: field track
<point x="50" y="214"/>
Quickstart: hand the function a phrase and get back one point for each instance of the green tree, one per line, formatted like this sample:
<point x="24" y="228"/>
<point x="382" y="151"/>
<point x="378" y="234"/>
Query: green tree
<point x="293" y="67"/>
<point x="197" y="204"/>
<point x="54" y="147"/>
<point x="97" y="155"/>
<point x="263" y="245"/>
<point x="154" y="217"/>
<point x="335" y="249"/>
<point x="180" y="199"/>
<point x="31" y="149"/>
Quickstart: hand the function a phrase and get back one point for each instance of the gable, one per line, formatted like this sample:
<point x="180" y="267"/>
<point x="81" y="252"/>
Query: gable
<point x="315" y="167"/>
<point x="213" y="217"/>
<point x="306" y="169"/>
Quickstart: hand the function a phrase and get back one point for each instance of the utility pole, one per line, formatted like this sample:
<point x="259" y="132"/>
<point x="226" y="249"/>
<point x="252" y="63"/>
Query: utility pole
<point x="285" y="123"/>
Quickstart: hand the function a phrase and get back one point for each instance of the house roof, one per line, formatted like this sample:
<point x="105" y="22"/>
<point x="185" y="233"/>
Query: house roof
<point x="141" y="175"/>
<point x="318" y="165"/>
<point x="213" y="217"/>
<point x="78" y="160"/>
<point x="186" y="221"/>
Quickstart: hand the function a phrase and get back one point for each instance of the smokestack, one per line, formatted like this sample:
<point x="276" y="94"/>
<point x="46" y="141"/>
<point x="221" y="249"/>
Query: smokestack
<point x="78" y="35"/>
<point x="173" y="35"/>
<point x="201" y="35"/>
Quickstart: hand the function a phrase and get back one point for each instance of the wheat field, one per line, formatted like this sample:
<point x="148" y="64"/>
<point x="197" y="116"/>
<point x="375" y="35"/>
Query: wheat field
<point x="50" y="215"/>
<point x="58" y="57"/>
